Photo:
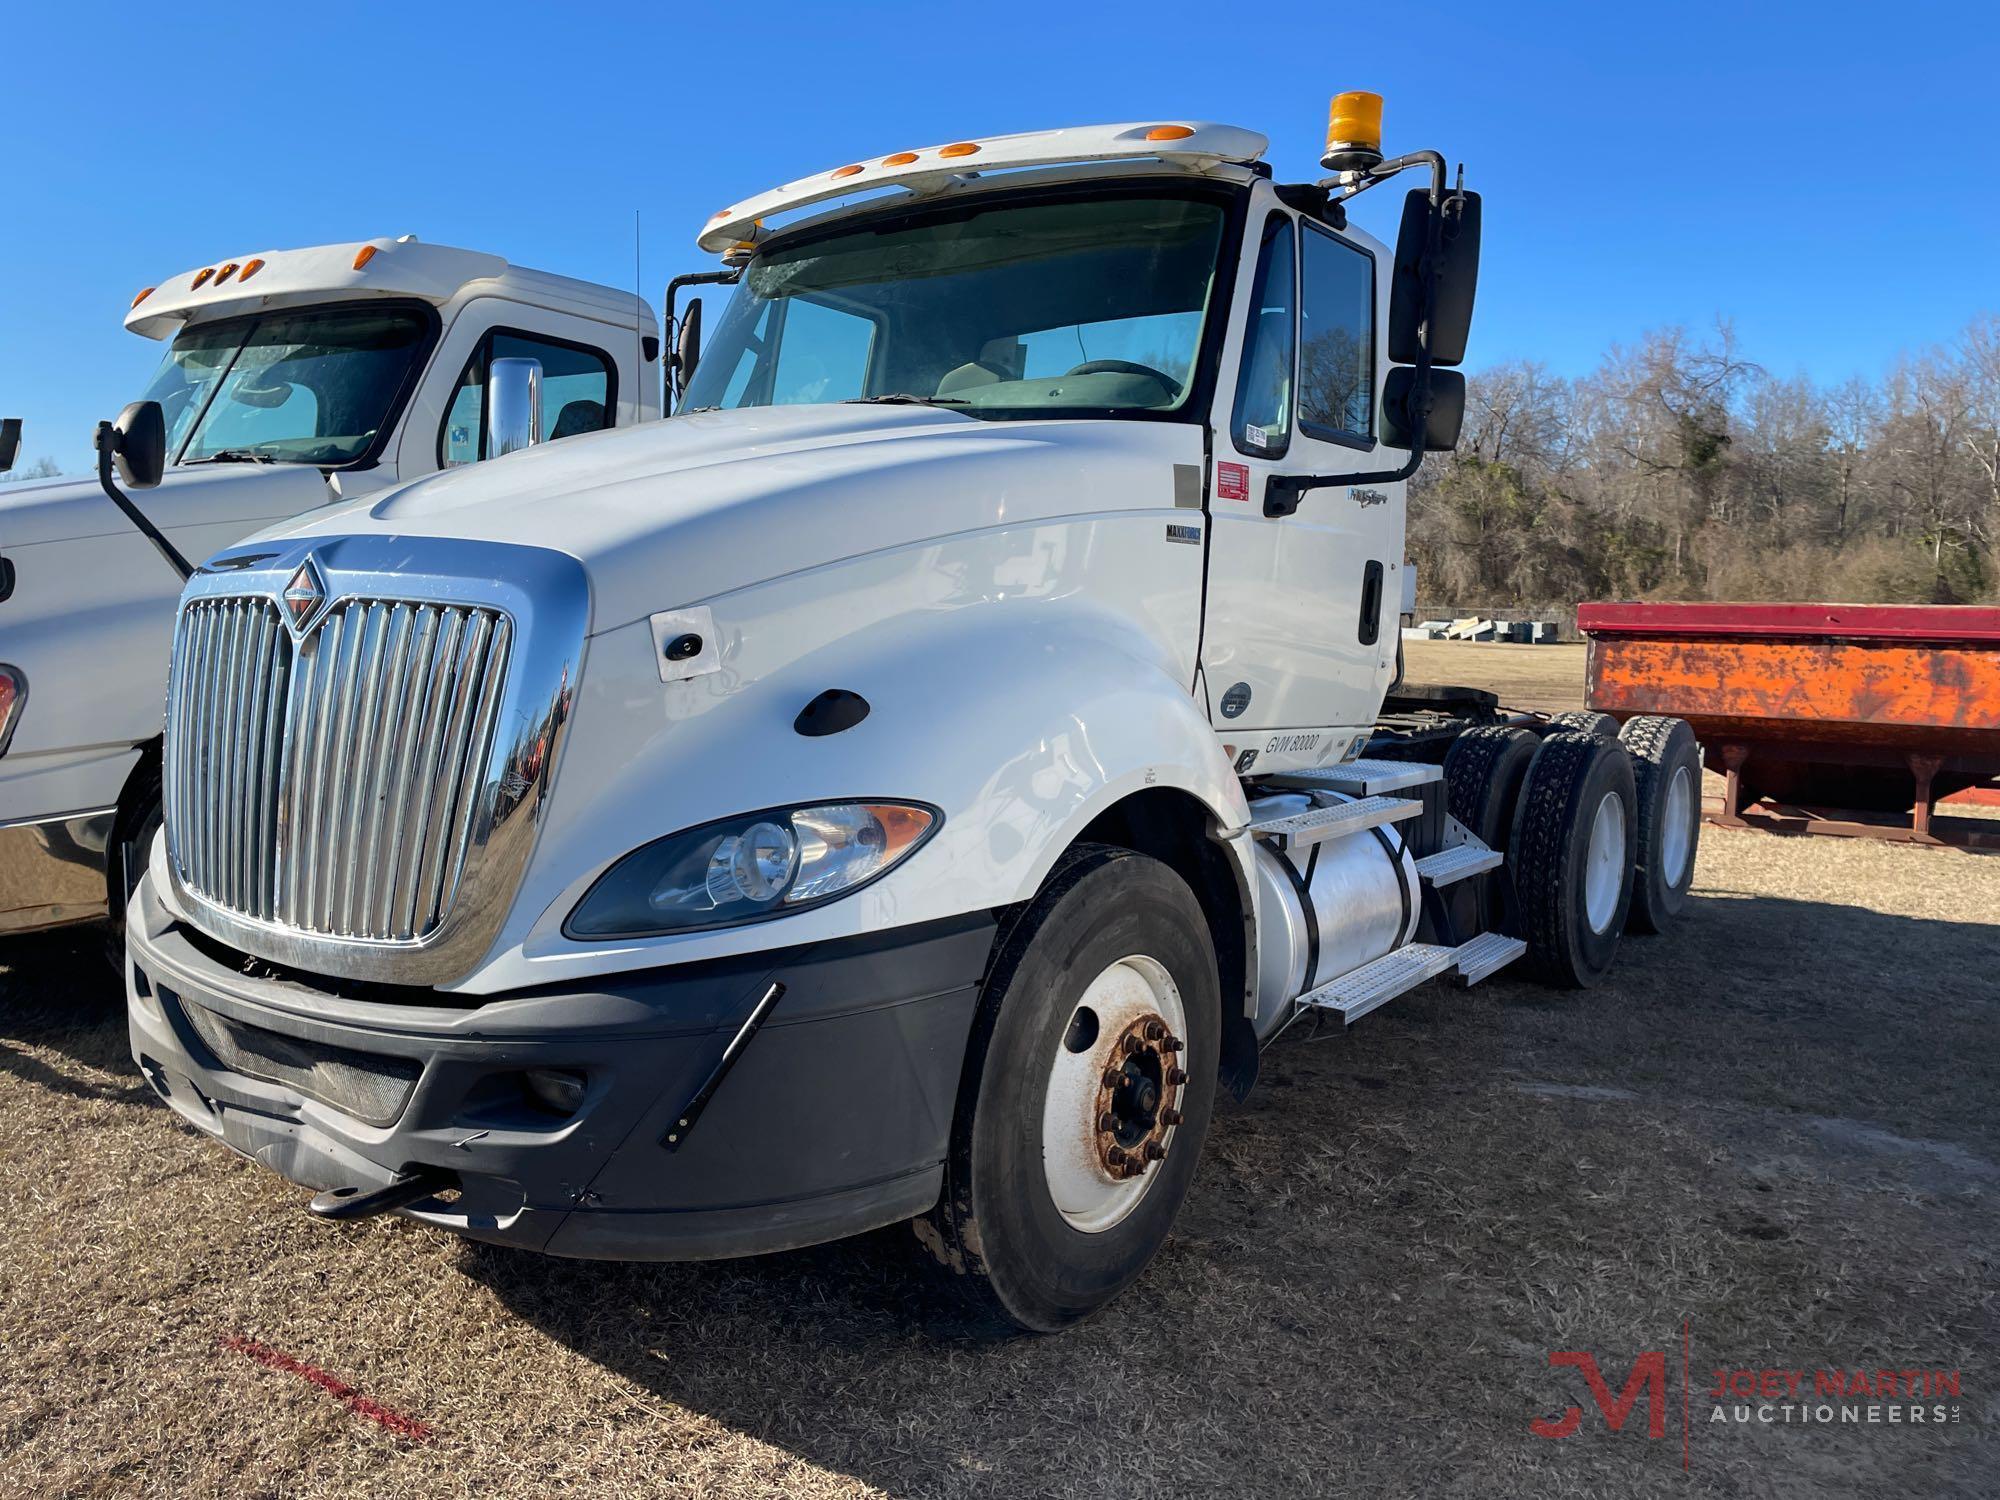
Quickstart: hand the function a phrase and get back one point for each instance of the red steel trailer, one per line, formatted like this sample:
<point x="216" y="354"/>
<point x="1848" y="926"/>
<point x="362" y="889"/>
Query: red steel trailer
<point x="1822" y="718"/>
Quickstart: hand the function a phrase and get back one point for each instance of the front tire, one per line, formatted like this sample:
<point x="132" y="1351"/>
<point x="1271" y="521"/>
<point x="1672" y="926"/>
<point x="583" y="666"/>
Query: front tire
<point x="125" y="860"/>
<point x="1088" y="1084"/>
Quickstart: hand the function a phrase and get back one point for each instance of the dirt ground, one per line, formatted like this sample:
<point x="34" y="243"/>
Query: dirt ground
<point x="1772" y="1134"/>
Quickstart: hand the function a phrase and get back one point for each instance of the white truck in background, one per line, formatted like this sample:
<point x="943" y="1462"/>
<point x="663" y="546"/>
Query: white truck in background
<point x="910" y="782"/>
<point x="294" y="379"/>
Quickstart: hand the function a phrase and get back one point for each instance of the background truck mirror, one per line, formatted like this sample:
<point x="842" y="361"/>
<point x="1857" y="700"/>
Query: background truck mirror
<point x="1447" y="409"/>
<point x="140" y="444"/>
<point x="10" y="442"/>
<point x="513" y="405"/>
<point x="687" y="347"/>
<point x="1457" y="281"/>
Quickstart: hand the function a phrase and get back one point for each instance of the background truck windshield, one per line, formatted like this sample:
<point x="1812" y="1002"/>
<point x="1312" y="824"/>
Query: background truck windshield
<point x="1085" y="306"/>
<point x="313" y="387"/>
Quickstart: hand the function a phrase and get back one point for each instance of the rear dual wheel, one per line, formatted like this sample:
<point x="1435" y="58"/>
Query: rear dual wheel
<point x="1571" y="854"/>
<point x="1086" y="1093"/>
<point x="1666" y="763"/>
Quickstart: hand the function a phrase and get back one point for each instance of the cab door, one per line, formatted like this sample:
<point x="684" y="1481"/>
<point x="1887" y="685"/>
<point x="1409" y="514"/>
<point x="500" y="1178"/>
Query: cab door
<point x="1298" y="643"/>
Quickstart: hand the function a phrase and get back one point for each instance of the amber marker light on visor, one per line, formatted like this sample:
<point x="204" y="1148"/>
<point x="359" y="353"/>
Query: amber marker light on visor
<point x="250" y="268"/>
<point x="225" y="273"/>
<point x="960" y="148"/>
<point x="900" y="159"/>
<point x="362" y="256"/>
<point x="201" y="278"/>
<point x="847" y="171"/>
<point x="144" y="293"/>
<point x="1169" y="133"/>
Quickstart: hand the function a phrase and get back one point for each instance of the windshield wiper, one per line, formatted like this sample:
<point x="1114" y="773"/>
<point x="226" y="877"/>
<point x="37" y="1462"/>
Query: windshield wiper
<point x="234" y="456"/>
<point x="904" y="398"/>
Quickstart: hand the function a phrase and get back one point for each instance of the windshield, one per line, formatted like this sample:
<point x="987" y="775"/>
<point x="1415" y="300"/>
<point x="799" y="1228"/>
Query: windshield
<point x="310" y="387"/>
<point x="1087" y="306"/>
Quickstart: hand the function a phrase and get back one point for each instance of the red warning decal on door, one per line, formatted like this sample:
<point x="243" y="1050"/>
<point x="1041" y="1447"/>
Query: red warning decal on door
<point x="1232" y="481"/>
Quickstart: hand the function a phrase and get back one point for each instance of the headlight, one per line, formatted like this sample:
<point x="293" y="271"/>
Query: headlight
<point x="749" y="868"/>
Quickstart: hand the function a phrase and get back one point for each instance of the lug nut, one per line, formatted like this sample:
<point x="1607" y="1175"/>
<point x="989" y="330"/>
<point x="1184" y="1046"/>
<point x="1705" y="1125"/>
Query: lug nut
<point x="1155" y="1151"/>
<point x="1177" y="1075"/>
<point x="1107" y="1121"/>
<point x="1113" y="1077"/>
<point x="1170" y="1117"/>
<point x="1172" y="1044"/>
<point x="1116" y="1156"/>
<point x="1155" y="1030"/>
<point x="1133" y="1046"/>
<point x="1135" y="1169"/>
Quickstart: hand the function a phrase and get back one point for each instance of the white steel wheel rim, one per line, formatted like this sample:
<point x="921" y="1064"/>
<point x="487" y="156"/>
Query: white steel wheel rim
<point x="1087" y="1193"/>
<point x="1677" y="831"/>
<point x="1604" y="862"/>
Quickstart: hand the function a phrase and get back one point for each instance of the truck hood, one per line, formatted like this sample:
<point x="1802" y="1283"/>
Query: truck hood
<point x="677" y="511"/>
<point x="71" y="508"/>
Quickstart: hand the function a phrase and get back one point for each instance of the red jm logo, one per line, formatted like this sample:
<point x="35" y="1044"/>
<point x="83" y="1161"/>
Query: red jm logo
<point x="1649" y="1375"/>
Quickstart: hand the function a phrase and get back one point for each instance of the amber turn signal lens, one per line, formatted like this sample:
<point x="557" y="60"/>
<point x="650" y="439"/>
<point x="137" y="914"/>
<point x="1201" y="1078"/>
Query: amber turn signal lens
<point x="960" y="148"/>
<point x="143" y="295"/>
<point x="1169" y="133"/>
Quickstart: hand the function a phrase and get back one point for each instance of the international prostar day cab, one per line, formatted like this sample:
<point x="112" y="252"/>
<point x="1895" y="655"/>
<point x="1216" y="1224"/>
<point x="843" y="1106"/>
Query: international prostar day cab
<point x="907" y="783"/>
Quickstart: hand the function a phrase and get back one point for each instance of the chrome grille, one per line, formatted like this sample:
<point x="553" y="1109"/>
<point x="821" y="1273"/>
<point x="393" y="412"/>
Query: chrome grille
<point x="331" y="784"/>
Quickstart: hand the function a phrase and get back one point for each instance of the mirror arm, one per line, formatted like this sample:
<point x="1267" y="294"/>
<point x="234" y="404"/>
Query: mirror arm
<point x="106" y="441"/>
<point x="670" y="371"/>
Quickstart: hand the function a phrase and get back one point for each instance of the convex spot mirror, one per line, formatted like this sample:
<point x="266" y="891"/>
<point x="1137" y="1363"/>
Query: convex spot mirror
<point x="139" y="445"/>
<point x="1447" y="409"/>
<point x="513" y="406"/>
<point x="1457" y="280"/>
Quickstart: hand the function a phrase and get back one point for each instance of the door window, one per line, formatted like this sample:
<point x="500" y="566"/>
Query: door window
<point x="579" y="392"/>
<point x="1336" y="339"/>
<point x="1262" y="422"/>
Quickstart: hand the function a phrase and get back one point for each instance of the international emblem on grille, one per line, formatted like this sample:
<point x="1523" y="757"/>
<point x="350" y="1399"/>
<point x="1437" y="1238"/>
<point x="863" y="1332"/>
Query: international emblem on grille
<point x="303" y="595"/>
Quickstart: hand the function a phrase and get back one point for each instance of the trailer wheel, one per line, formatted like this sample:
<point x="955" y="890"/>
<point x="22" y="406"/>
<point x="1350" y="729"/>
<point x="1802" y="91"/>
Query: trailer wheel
<point x="1666" y="762"/>
<point x="1586" y="721"/>
<point x="1086" y="1093"/>
<point x="1572" y="857"/>
<point x="1483" y="773"/>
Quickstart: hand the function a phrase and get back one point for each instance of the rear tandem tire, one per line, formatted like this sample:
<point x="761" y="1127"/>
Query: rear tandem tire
<point x="1483" y="773"/>
<point x="1586" y="721"/>
<point x="1022" y="1259"/>
<point x="1571" y="856"/>
<point x="1666" y="762"/>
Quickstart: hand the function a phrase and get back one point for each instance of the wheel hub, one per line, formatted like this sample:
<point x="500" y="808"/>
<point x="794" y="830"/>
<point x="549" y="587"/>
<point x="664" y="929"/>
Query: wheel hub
<point x="1138" y="1097"/>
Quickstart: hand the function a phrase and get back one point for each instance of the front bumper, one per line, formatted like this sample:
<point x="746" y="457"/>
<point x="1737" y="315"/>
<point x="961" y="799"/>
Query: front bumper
<point x="52" y="872"/>
<point x="834" y="1118"/>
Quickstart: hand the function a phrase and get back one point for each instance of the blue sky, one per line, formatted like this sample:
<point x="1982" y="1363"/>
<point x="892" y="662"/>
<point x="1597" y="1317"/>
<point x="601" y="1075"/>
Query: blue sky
<point x="1820" y="173"/>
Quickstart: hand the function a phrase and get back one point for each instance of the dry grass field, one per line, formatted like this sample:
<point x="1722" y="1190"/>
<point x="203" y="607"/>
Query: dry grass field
<point x="1776" y="1127"/>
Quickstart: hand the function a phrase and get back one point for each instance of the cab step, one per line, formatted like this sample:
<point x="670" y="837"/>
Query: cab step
<point x="1363" y="778"/>
<point x="1373" y="985"/>
<point x="1449" y="865"/>
<point x="1317" y="825"/>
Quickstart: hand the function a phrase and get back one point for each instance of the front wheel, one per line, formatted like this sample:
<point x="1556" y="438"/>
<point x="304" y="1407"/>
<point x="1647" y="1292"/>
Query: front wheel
<point x="1086" y="1094"/>
<point x="125" y="860"/>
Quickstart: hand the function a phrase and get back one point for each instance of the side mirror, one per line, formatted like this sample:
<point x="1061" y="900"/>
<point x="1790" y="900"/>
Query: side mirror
<point x="10" y="442"/>
<point x="687" y="347"/>
<point x="139" y="444"/>
<point x="1450" y="313"/>
<point x="1447" y="409"/>
<point x="513" y="406"/>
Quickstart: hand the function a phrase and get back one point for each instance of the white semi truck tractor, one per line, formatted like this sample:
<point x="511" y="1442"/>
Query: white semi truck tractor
<point x="293" y="379"/>
<point x="909" y="783"/>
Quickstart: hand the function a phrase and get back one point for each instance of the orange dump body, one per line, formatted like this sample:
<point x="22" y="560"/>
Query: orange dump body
<point x="1830" y="712"/>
